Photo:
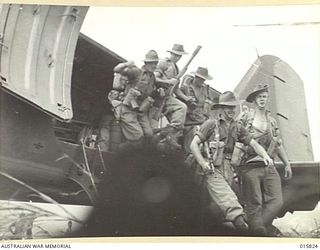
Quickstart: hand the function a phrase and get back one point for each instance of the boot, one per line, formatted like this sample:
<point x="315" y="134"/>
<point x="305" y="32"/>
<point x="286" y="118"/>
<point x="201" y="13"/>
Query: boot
<point x="240" y="224"/>
<point x="273" y="231"/>
<point x="259" y="231"/>
<point x="172" y="138"/>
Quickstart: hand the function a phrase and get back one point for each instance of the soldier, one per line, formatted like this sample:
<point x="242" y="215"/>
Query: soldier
<point x="125" y="76"/>
<point x="197" y="94"/>
<point x="174" y="109"/>
<point x="131" y="107"/>
<point x="147" y="86"/>
<point x="261" y="184"/>
<point x="219" y="137"/>
<point x="199" y="97"/>
<point x="176" y="53"/>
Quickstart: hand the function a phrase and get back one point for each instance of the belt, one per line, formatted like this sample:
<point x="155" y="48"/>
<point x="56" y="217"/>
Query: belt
<point x="254" y="164"/>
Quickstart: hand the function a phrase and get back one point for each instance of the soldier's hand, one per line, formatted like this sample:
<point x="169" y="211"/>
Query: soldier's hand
<point x="287" y="172"/>
<point x="173" y="81"/>
<point x="206" y="167"/>
<point x="162" y="92"/>
<point x="189" y="99"/>
<point x="268" y="161"/>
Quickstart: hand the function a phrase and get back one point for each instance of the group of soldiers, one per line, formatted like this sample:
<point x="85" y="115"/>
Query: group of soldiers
<point x="221" y="147"/>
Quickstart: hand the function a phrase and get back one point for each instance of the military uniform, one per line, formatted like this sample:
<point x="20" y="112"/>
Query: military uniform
<point x="135" y="124"/>
<point x="172" y="70"/>
<point x="261" y="184"/>
<point x="146" y="85"/>
<point x="218" y="183"/>
<point x="174" y="109"/>
<point x="199" y="107"/>
<point x="201" y="96"/>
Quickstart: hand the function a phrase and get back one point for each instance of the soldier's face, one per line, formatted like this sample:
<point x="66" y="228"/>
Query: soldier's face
<point x="151" y="66"/>
<point x="198" y="80"/>
<point x="175" y="58"/>
<point x="229" y="112"/>
<point x="262" y="99"/>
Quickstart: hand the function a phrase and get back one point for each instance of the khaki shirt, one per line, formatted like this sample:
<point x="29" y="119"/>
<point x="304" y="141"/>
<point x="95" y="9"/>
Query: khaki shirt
<point x="231" y="134"/>
<point x="146" y="84"/>
<point x="262" y="137"/>
<point x="172" y="70"/>
<point x="201" y="95"/>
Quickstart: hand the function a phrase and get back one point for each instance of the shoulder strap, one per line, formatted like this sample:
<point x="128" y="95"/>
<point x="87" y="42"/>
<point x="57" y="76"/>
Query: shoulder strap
<point x="270" y="120"/>
<point x="214" y="129"/>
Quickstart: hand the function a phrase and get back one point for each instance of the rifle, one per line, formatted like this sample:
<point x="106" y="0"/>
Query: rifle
<point x="173" y="88"/>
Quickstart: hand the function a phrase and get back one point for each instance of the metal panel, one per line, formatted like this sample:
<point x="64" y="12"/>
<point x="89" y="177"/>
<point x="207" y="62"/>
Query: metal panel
<point x="291" y="111"/>
<point x="37" y="54"/>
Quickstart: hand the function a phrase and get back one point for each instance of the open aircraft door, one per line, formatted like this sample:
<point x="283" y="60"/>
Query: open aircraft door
<point x="37" y="45"/>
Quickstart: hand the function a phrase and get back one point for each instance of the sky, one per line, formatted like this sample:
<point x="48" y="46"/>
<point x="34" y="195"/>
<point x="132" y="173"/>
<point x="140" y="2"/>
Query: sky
<point x="230" y="41"/>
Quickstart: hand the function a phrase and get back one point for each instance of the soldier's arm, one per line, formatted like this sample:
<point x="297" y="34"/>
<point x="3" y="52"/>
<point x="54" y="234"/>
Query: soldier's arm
<point x="195" y="149"/>
<point x="182" y="96"/>
<point x="164" y="83"/>
<point x="281" y="151"/>
<point x="287" y="166"/>
<point x="182" y="92"/>
<point x="261" y="151"/>
<point x="247" y="139"/>
<point x="202" y="135"/>
<point x="122" y="66"/>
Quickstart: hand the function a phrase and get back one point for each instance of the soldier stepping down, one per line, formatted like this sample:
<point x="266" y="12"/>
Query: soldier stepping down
<point x="199" y="97"/>
<point x="175" y="110"/>
<point x="136" y="90"/>
<point x="262" y="184"/>
<point x="221" y="134"/>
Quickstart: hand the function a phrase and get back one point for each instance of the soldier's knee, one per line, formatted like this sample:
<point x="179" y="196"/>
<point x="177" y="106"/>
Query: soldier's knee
<point x="276" y="203"/>
<point x="279" y="202"/>
<point x="148" y="132"/>
<point x="183" y="107"/>
<point x="132" y="134"/>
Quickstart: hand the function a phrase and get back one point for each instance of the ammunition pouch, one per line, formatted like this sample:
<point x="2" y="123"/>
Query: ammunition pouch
<point x="216" y="149"/>
<point x="238" y="154"/>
